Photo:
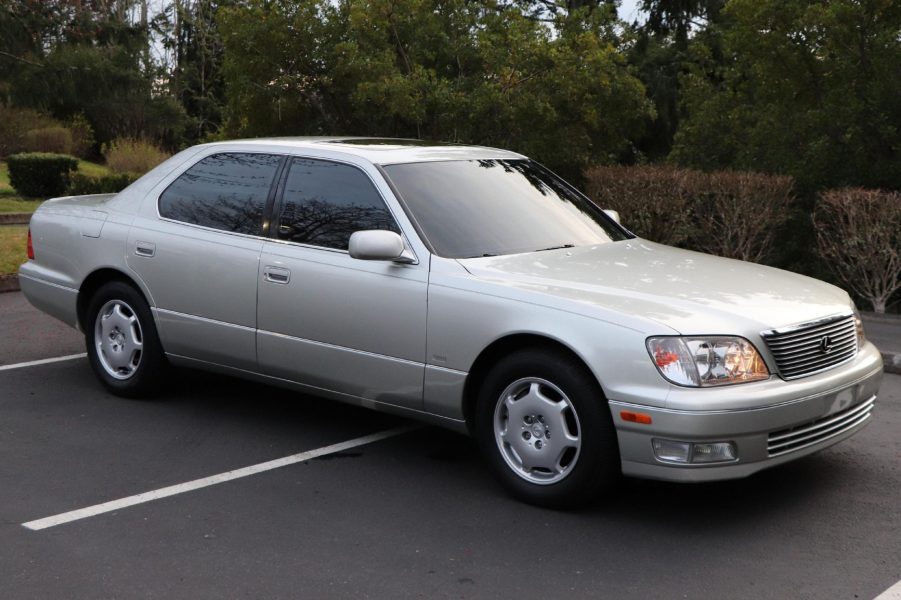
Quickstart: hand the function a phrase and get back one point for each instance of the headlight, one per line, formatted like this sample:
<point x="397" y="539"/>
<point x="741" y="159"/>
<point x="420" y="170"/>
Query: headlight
<point x="706" y="361"/>
<point x="858" y="326"/>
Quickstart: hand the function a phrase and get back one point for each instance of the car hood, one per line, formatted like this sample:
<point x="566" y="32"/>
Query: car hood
<point x="689" y="292"/>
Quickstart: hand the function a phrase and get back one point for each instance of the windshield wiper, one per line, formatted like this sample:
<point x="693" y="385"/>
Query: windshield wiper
<point x="556" y="247"/>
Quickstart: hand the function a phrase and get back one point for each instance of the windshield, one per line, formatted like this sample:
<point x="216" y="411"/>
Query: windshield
<point x="471" y="208"/>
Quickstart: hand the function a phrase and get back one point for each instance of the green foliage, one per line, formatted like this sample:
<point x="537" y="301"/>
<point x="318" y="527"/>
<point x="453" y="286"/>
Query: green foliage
<point x="435" y="69"/>
<point x="87" y="59"/>
<point x="812" y="89"/>
<point x="40" y="175"/>
<point x="55" y="139"/>
<point x="81" y="184"/>
<point x="82" y="136"/>
<point x="133" y="155"/>
<point x="15" y="123"/>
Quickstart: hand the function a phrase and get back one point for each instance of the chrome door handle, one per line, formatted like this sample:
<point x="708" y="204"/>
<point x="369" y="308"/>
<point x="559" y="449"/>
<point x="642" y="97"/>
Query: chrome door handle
<point x="145" y="249"/>
<point x="276" y="275"/>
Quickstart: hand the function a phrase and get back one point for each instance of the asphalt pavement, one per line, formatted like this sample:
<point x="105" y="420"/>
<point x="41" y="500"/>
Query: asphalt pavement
<point x="416" y="515"/>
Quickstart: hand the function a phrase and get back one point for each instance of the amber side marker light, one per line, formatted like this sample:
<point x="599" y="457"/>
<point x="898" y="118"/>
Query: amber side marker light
<point x="635" y="417"/>
<point x="30" y="248"/>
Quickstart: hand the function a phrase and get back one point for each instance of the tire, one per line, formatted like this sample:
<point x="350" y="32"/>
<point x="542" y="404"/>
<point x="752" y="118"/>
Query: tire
<point x="544" y="426"/>
<point x="122" y="342"/>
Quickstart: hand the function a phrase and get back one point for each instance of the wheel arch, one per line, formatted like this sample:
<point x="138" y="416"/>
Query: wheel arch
<point x="94" y="281"/>
<point x="503" y="346"/>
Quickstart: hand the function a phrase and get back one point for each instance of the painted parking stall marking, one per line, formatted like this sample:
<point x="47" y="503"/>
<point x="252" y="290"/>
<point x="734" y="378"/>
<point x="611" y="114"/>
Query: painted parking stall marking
<point x="893" y="593"/>
<point x="181" y="488"/>
<point x="43" y="361"/>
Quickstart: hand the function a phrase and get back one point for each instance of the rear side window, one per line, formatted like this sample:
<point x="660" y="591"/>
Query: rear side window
<point x="223" y="191"/>
<point x="325" y="202"/>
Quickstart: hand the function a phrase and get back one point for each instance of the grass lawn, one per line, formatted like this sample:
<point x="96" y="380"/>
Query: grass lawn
<point x="12" y="247"/>
<point x="10" y="202"/>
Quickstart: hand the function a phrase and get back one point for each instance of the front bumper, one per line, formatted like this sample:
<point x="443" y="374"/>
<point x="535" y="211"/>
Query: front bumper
<point x="776" y="431"/>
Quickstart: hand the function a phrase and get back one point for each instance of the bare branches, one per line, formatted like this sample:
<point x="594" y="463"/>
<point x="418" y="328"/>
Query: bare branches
<point x="859" y="236"/>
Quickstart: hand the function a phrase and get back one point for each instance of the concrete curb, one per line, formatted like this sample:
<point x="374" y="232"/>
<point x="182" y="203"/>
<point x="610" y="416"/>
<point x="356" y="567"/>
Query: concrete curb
<point x="892" y="362"/>
<point x="9" y="283"/>
<point x="15" y="218"/>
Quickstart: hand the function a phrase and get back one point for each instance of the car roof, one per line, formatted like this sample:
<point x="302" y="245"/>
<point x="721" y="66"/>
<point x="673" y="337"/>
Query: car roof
<point x="382" y="151"/>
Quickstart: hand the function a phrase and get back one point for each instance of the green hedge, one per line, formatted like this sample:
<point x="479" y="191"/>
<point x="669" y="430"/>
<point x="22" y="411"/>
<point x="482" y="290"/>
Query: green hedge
<point x="39" y="174"/>
<point x="81" y="184"/>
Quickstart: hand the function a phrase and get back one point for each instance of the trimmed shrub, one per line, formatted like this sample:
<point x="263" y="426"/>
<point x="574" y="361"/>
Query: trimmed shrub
<point x="727" y="213"/>
<point x="738" y="214"/>
<point x="40" y="175"/>
<point x="56" y="139"/>
<point x="859" y="239"/>
<point x="654" y="201"/>
<point x="81" y="184"/>
<point x="15" y="123"/>
<point x="126" y="155"/>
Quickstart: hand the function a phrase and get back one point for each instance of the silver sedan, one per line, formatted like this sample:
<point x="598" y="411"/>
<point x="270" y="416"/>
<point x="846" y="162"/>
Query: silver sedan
<point x="465" y="286"/>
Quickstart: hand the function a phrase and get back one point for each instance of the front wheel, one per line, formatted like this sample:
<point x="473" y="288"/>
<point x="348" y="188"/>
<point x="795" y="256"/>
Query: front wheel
<point x="122" y="343"/>
<point x="544" y="426"/>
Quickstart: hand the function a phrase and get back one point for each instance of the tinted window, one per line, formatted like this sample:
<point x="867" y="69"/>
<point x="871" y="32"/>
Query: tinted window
<point x="471" y="208"/>
<point x="223" y="191"/>
<point x="325" y="202"/>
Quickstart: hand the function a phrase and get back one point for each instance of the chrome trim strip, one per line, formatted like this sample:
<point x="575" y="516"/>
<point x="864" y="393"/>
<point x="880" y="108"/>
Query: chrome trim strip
<point x="204" y="319"/>
<point x="688" y="413"/>
<point x="445" y="369"/>
<point x="838" y="429"/>
<point x="845" y="415"/>
<point x="790" y="328"/>
<point x="343" y="348"/>
<point x="45" y="282"/>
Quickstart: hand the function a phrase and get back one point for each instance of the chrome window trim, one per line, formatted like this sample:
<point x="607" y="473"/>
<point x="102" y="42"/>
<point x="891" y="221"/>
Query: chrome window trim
<point x="408" y="247"/>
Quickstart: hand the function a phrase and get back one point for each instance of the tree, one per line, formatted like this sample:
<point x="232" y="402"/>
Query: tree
<point x="474" y="72"/>
<point x="812" y="89"/>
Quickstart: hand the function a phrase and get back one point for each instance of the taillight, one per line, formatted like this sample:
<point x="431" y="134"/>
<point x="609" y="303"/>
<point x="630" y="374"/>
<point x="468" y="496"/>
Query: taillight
<point x="30" y="247"/>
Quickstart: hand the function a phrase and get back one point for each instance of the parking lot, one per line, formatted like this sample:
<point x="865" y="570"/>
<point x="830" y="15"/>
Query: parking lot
<point x="415" y="514"/>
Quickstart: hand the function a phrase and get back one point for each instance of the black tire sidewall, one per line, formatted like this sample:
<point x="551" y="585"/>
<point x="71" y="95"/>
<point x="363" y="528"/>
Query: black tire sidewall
<point x="598" y="465"/>
<point x="146" y="379"/>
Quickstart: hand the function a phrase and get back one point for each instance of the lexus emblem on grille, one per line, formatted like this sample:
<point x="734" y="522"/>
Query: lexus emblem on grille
<point x="826" y="344"/>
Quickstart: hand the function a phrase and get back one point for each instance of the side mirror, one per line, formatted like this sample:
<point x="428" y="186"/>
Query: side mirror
<point x="378" y="244"/>
<point x="613" y="214"/>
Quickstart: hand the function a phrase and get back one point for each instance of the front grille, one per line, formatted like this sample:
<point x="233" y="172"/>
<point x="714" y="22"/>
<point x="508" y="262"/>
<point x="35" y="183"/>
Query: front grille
<point x="808" y="434"/>
<point x="813" y="348"/>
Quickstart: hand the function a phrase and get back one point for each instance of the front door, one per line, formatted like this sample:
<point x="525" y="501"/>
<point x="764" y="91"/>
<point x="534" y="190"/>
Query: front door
<point x="325" y="319"/>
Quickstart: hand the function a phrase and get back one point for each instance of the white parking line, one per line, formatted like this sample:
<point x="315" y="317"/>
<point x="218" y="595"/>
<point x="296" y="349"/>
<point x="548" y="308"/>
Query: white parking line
<point x="893" y="593"/>
<point x="181" y="488"/>
<point x="43" y="361"/>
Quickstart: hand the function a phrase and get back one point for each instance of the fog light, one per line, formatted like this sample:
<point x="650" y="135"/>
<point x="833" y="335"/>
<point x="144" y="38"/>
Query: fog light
<point x="688" y="452"/>
<point x="671" y="451"/>
<point x="715" y="452"/>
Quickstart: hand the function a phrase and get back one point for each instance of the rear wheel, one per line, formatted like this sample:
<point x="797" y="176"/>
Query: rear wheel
<point x="543" y="424"/>
<point x="122" y="343"/>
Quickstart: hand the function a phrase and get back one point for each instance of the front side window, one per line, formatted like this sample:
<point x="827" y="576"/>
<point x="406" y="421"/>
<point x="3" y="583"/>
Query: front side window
<point x="223" y="191"/>
<point x="325" y="202"/>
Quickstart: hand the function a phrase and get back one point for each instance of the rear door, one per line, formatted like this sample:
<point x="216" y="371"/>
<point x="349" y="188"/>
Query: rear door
<point x="328" y="320"/>
<point x="198" y="251"/>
